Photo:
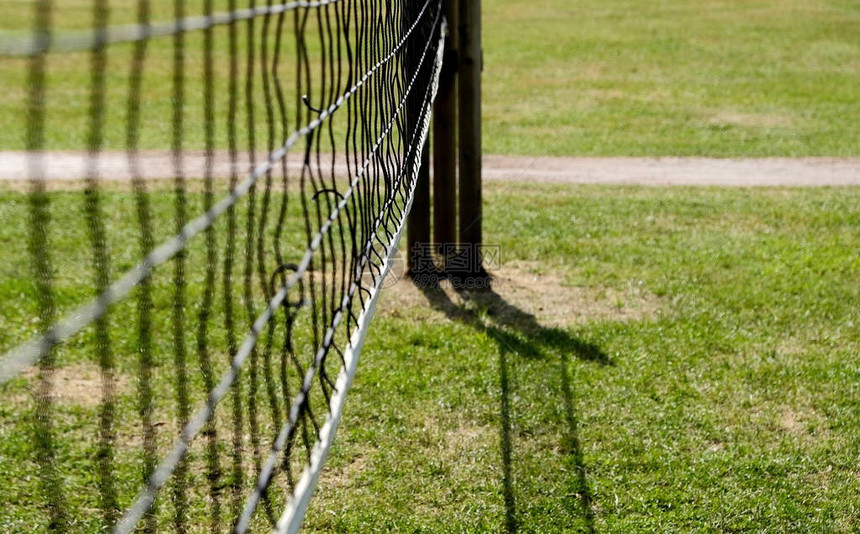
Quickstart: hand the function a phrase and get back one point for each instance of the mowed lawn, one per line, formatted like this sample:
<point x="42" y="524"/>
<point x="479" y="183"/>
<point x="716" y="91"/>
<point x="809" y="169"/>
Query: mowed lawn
<point x="652" y="359"/>
<point x="721" y="395"/>
<point x="718" y="78"/>
<point x="721" y="78"/>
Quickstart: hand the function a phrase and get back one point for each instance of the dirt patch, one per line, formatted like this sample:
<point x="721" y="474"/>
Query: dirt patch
<point x="751" y="120"/>
<point x="346" y="475"/>
<point x="790" y="346"/>
<point x="804" y="423"/>
<point x="526" y="294"/>
<point x="457" y="441"/>
<point x="790" y="421"/>
<point x="149" y="165"/>
<point x="555" y="304"/>
<point x="78" y="384"/>
<point x="715" y="446"/>
<point x="672" y="171"/>
<point x="68" y="168"/>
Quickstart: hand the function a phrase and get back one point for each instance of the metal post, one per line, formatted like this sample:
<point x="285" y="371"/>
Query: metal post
<point x="470" y="66"/>
<point x="445" y="138"/>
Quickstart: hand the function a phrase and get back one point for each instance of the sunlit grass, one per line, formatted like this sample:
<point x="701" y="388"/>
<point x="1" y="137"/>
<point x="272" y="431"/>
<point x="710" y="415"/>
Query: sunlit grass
<point x="616" y="78"/>
<point x="729" y="408"/>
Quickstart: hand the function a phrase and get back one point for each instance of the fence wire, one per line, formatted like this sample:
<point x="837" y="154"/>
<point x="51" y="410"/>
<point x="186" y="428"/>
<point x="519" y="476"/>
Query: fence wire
<point x="213" y="389"/>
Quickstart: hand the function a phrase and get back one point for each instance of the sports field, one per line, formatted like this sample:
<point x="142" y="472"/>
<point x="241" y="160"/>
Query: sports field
<point x="717" y="78"/>
<point x="650" y="359"/>
<point x="671" y="359"/>
<point x="720" y="78"/>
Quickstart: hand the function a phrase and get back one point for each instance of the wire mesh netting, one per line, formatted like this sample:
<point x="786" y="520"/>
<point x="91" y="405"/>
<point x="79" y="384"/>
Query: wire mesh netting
<point x="184" y="314"/>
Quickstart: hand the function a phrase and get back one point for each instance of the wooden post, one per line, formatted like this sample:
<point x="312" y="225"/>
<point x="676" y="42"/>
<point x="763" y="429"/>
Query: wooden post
<point x="470" y="66"/>
<point x="445" y="138"/>
<point x="418" y="220"/>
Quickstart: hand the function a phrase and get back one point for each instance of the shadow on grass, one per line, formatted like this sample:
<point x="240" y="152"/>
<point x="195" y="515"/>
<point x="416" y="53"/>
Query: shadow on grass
<point x="518" y="333"/>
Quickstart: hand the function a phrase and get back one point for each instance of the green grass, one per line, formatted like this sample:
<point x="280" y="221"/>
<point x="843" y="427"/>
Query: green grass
<point x="68" y="81"/>
<point x="78" y="386"/>
<point x="732" y="409"/>
<point x="586" y="77"/>
<point x="632" y="78"/>
<point x="729" y="404"/>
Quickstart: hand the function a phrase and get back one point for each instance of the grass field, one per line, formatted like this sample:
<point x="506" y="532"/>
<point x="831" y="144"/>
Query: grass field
<point x="730" y="407"/>
<point x="591" y="77"/>
<point x="630" y="78"/>
<point x="652" y="359"/>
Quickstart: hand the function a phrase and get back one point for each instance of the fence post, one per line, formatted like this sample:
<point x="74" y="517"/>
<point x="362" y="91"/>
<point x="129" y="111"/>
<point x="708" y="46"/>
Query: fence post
<point x="445" y="139"/>
<point x="470" y="66"/>
<point x="418" y="220"/>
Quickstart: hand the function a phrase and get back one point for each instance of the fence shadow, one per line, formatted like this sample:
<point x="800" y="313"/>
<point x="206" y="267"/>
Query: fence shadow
<point x="518" y="334"/>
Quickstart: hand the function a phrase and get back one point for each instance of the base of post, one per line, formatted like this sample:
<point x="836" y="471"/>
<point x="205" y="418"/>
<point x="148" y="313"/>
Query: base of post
<point x="479" y="280"/>
<point x="476" y="280"/>
<point x="427" y="277"/>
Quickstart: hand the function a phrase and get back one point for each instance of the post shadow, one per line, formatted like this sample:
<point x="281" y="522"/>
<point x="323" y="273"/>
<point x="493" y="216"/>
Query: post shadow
<point x="534" y="339"/>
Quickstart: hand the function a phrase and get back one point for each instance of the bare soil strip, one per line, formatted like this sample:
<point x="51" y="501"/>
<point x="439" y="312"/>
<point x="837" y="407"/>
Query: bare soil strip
<point x="676" y="171"/>
<point x="527" y="297"/>
<point x="151" y="165"/>
<point x="805" y="172"/>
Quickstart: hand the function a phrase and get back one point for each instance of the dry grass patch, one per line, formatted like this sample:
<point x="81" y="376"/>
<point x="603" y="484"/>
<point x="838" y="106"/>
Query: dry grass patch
<point x="803" y="422"/>
<point x="751" y="120"/>
<point x="78" y="384"/>
<point x="528" y="293"/>
<point x="343" y="476"/>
